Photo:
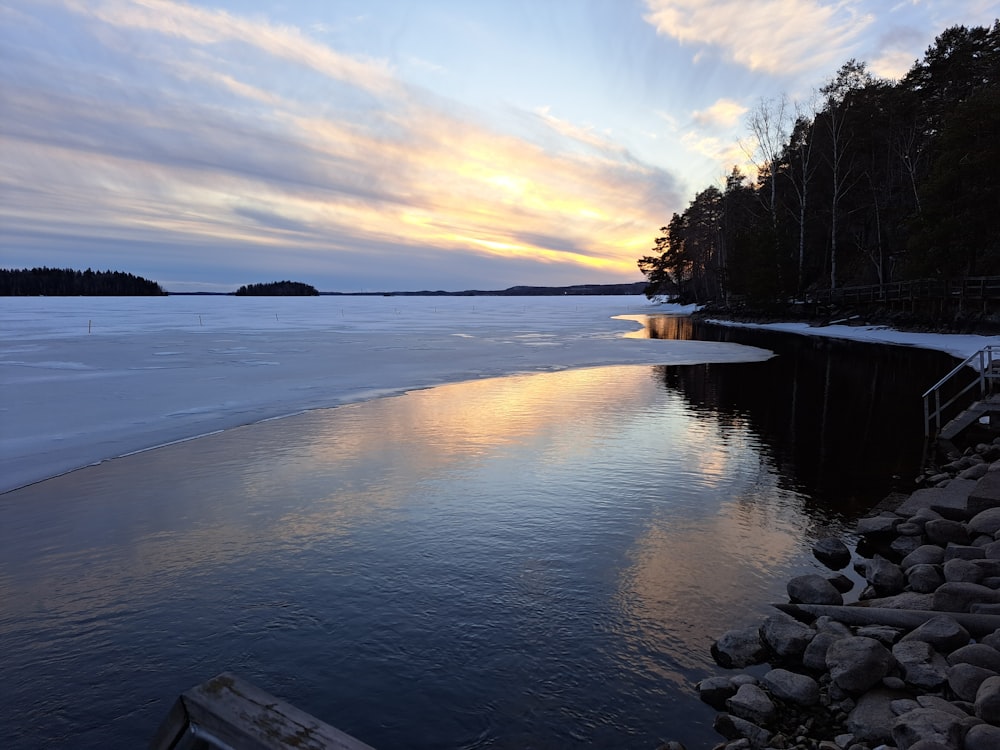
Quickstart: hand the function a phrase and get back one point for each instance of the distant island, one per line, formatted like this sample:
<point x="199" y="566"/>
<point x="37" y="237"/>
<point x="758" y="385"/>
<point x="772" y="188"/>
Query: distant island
<point x="66" y="282"/>
<point x="277" y="289"/>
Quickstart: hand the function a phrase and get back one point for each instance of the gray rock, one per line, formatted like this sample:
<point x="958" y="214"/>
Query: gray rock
<point x="957" y="597"/>
<point x="965" y="679"/>
<point x="904" y="545"/>
<point x="992" y="551"/>
<point x="842" y="583"/>
<point x="940" y="704"/>
<point x="871" y="719"/>
<point x="976" y="653"/>
<point x="813" y="589"/>
<point x="786" y="636"/>
<point x="988" y="700"/>
<point x="985" y="609"/>
<point x="926" y="554"/>
<point x="989" y="566"/>
<point x="923" y="745"/>
<point x="992" y="640"/>
<point x="974" y="472"/>
<point x="744" y="679"/>
<point x="922" y="666"/>
<point x="733" y="727"/>
<point x="924" y="579"/>
<point x="982" y="737"/>
<point x="904" y="705"/>
<point x="751" y="703"/>
<point x="827" y="624"/>
<point x="942" y="632"/>
<point x="985" y="494"/>
<point x="832" y="552"/>
<point x="963" y="552"/>
<point x="789" y="686"/>
<point x="928" y="724"/>
<point x="985" y="522"/>
<point x="885" y="577"/>
<point x="715" y="691"/>
<point x="857" y="664"/>
<point x="739" y="648"/>
<point x="962" y="571"/>
<point x="942" y="531"/>
<point x="982" y="541"/>
<point x="882" y="633"/>
<point x="815" y="654"/>
<point x="893" y="683"/>
<point x="910" y="528"/>
<point x="881" y="525"/>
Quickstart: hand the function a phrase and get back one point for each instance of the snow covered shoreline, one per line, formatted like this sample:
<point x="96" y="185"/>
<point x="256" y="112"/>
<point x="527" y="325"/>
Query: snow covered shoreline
<point x="89" y="379"/>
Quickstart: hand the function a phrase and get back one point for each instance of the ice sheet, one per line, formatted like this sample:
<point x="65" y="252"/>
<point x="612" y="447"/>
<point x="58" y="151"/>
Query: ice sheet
<point x="87" y="379"/>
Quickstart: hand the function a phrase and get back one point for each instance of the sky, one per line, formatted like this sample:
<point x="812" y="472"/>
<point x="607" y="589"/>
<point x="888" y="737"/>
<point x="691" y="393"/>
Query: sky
<point x="389" y="145"/>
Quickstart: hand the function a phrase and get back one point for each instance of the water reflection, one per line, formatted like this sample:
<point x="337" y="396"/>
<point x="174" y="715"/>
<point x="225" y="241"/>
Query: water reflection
<point x="537" y="560"/>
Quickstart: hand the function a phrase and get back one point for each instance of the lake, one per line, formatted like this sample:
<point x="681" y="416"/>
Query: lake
<point x="530" y="561"/>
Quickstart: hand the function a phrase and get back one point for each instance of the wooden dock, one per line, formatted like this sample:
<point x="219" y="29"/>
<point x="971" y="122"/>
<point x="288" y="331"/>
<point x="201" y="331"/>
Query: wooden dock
<point x="229" y="713"/>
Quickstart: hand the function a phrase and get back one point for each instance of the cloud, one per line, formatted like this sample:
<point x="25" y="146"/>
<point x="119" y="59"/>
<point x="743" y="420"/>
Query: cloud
<point x="771" y="36"/>
<point x="182" y="135"/>
<point x="724" y="113"/>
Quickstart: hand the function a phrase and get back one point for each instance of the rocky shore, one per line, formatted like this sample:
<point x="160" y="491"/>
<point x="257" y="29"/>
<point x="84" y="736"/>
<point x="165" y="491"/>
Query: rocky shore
<point x="911" y="663"/>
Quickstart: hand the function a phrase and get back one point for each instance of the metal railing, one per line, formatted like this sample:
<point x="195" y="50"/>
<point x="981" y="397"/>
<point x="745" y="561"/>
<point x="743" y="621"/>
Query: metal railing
<point x="972" y="289"/>
<point x="986" y="366"/>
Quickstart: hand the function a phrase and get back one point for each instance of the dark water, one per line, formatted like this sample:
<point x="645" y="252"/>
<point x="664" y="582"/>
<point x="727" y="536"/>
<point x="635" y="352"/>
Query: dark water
<point x="535" y="561"/>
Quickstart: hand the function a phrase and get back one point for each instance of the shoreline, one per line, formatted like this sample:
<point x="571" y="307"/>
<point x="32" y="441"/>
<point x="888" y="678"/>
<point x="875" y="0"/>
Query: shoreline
<point x="911" y="662"/>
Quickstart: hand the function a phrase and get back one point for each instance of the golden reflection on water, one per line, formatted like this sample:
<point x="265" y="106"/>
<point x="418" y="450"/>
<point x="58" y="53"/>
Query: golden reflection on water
<point x="667" y="327"/>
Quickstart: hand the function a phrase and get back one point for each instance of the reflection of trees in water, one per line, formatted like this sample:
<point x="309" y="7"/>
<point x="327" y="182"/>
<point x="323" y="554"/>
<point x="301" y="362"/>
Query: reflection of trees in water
<point x="839" y="418"/>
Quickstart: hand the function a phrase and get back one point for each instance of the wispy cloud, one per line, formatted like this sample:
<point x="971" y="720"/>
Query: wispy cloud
<point x="170" y="142"/>
<point x="770" y="36"/>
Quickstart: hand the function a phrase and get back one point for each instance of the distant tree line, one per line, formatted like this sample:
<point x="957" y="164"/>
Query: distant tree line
<point x="277" y="289"/>
<point x="874" y="181"/>
<point x="66" y="282"/>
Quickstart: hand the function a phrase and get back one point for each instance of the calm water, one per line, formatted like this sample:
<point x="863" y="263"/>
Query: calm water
<point x="535" y="561"/>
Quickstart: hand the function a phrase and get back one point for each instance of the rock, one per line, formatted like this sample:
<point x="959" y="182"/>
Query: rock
<point x="885" y="577"/>
<point x="739" y="648"/>
<point x="963" y="571"/>
<point x="925" y="724"/>
<point x="985" y="609"/>
<point x="882" y="633"/>
<point x="882" y="525"/>
<point x="715" y="691"/>
<point x="926" y="554"/>
<point x="942" y="632"/>
<point x="815" y="654"/>
<point x="904" y="705"/>
<point x="924" y="579"/>
<point x="733" y="727"/>
<point x="988" y="700"/>
<point x="857" y="664"/>
<point x="813" y="589"/>
<point x="963" y="552"/>
<point x="974" y="472"/>
<point x="751" y="703"/>
<point x="965" y="679"/>
<point x="832" y="552"/>
<point x="893" y="683"/>
<point x="786" y="636"/>
<point x="928" y="745"/>
<point x="842" y="583"/>
<point x="982" y="737"/>
<point x="992" y="640"/>
<point x="827" y="624"/>
<point x="992" y="551"/>
<point x="942" y="531"/>
<point x="990" y="567"/>
<point x="936" y="702"/>
<point x="957" y="597"/>
<point x="985" y="494"/>
<point x="789" y="686"/>
<point x="922" y="666"/>
<point x="871" y="719"/>
<point x="978" y="654"/>
<point x="904" y="545"/>
<point x="985" y="522"/>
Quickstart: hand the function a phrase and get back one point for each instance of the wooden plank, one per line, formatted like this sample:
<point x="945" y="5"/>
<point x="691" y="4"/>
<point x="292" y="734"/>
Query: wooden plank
<point x="977" y="625"/>
<point x="229" y="712"/>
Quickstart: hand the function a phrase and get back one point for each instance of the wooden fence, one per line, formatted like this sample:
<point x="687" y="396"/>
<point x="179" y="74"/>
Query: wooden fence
<point x="969" y="295"/>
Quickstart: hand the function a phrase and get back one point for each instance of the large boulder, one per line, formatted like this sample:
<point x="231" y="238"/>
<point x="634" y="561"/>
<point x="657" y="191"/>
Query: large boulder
<point x="959" y="597"/>
<point x="715" y="691"/>
<point x="786" y="636"/>
<point x="927" y="554"/>
<point x="988" y="701"/>
<point x="922" y="666"/>
<point x="815" y="654"/>
<point x="871" y="719"/>
<point x="982" y="737"/>
<point x="856" y="664"/>
<point x="733" y="728"/>
<point x="739" y="648"/>
<point x="792" y="687"/>
<point x="832" y="552"/>
<point x="958" y="570"/>
<point x="751" y="703"/>
<point x="813" y="589"/>
<point x="978" y="654"/>
<point x="924" y="579"/>
<point x="965" y="679"/>
<point x="885" y="576"/>
<point x="944" y="633"/>
<point x="928" y="724"/>
<point x="942" y="531"/>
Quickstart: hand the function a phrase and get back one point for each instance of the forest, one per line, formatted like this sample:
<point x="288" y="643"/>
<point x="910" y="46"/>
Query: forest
<point x="66" y="282"/>
<point x="871" y="181"/>
<point x="277" y="289"/>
